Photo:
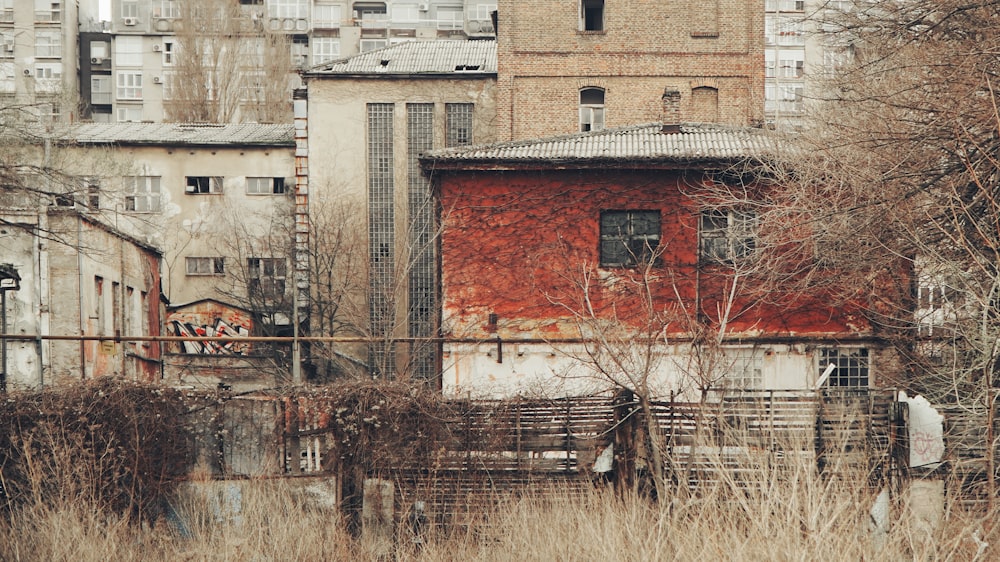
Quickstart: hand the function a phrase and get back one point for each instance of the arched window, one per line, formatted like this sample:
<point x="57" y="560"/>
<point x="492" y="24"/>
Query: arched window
<point x="591" y="109"/>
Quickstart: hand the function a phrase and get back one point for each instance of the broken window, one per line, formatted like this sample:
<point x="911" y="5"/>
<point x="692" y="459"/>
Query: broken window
<point x="458" y="117"/>
<point x="142" y="194"/>
<point x="266" y="277"/>
<point x="591" y="109"/>
<point x="629" y="238"/>
<point x="205" y="266"/>
<point x="592" y="15"/>
<point x="265" y="186"/>
<point x="851" y="366"/>
<point x="203" y="184"/>
<point x="727" y="235"/>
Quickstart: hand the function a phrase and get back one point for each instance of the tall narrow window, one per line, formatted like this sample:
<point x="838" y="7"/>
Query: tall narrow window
<point x="592" y="15"/>
<point x="459" y="124"/>
<point x="421" y="281"/>
<point x="591" y="109"/>
<point x="629" y="238"/>
<point x="98" y="305"/>
<point x="116" y="308"/>
<point x="381" y="236"/>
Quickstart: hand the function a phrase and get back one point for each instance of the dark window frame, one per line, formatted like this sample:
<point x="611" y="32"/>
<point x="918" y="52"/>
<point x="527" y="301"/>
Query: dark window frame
<point x="629" y="237"/>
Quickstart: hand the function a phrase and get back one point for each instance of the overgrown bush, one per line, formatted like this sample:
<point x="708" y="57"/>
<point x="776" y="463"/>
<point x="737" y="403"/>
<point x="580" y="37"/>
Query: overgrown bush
<point x="112" y="444"/>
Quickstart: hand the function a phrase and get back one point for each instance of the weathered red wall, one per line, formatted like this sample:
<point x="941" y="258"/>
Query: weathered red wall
<point x="522" y="244"/>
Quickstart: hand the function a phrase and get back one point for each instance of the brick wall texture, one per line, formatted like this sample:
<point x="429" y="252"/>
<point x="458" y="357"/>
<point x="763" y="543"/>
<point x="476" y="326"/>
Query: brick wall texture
<point x="645" y="47"/>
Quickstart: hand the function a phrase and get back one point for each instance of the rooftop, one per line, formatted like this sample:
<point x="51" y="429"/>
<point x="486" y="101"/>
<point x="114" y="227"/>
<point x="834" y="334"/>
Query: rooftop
<point x="418" y="57"/>
<point x="201" y="134"/>
<point x="690" y="142"/>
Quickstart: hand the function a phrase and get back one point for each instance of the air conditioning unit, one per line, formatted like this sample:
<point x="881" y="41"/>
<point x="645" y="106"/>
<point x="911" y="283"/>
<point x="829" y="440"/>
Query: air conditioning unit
<point x="96" y="60"/>
<point x="27" y="72"/>
<point x="130" y="21"/>
<point x="156" y="48"/>
<point x="157" y="80"/>
<point x="424" y="7"/>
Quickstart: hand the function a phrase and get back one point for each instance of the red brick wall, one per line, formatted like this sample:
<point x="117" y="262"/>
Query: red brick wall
<point x="521" y="245"/>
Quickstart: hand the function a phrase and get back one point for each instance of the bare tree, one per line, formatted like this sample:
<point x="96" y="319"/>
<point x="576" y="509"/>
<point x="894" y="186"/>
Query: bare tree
<point x="228" y="67"/>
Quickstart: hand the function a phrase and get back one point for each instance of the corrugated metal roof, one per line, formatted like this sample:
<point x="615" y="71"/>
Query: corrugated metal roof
<point x="419" y="57"/>
<point x="647" y="142"/>
<point x="180" y="134"/>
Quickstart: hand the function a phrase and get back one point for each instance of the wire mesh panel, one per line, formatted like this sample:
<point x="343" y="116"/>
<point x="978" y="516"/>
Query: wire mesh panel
<point x="421" y="305"/>
<point x="381" y="236"/>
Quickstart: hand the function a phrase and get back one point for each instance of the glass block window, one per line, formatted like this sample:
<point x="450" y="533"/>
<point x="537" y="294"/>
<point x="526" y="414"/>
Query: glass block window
<point x="458" y="117"/>
<point x="421" y="281"/>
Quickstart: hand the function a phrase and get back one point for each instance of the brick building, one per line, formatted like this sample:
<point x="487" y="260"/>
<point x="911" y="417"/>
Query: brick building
<point x="580" y="263"/>
<point x="572" y="65"/>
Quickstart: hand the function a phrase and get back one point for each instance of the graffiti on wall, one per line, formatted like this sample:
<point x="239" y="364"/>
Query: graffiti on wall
<point x="211" y="319"/>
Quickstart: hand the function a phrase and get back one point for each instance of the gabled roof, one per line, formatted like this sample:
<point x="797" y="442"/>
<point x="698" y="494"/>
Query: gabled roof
<point x="475" y="58"/>
<point x="200" y="134"/>
<point x="648" y="144"/>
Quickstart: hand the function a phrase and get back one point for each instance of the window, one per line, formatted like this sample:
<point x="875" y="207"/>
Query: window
<point x="591" y="109"/>
<point x="167" y="9"/>
<point x="130" y="9"/>
<point x="372" y="44"/>
<point x="100" y="90"/>
<point x="628" y="238"/>
<point x="48" y="44"/>
<point x="98" y="317"/>
<point x="91" y="188"/>
<point x="128" y="51"/>
<point x="727" y="234"/>
<point x="203" y="184"/>
<point x="129" y="84"/>
<point x="744" y="368"/>
<point x="142" y="194"/>
<point x="326" y="16"/>
<point x="6" y="10"/>
<point x="205" y="266"/>
<point x="592" y="15"/>
<point x="458" y="117"/>
<point x="791" y="68"/>
<point x="48" y="10"/>
<point x="851" y="366"/>
<point x="295" y="9"/>
<point x="450" y="17"/>
<point x="407" y="13"/>
<point x="266" y="277"/>
<point x="169" y="51"/>
<point x="265" y="186"/>
<point x="129" y="113"/>
<point x="325" y="49"/>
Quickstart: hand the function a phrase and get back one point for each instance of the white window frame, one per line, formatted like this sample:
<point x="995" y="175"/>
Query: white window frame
<point x="325" y="49"/>
<point x="128" y="85"/>
<point x="204" y="185"/>
<point x="592" y="114"/>
<point x="102" y="89"/>
<point x="169" y="51"/>
<point x="128" y="51"/>
<point x="142" y="194"/>
<point x="327" y="16"/>
<point x="294" y="9"/>
<point x="129" y="9"/>
<point x="266" y="185"/>
<point x="48" y="44"/>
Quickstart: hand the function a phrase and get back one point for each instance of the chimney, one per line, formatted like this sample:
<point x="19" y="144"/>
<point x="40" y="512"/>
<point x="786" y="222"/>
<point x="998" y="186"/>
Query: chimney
<point x="671" y="111"/>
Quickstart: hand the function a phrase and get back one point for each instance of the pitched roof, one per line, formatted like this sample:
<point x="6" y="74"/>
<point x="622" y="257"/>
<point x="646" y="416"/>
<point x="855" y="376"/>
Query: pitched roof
<point x="477" y="58"/>
<point x="202" y="134"/>
<point x="640" y="143"/>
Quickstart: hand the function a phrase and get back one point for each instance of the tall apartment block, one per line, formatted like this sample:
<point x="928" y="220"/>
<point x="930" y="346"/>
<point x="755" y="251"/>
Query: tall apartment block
<point x="576" y="65"/>
<point x="129" y="66"/>
<point x="37" y="38"/>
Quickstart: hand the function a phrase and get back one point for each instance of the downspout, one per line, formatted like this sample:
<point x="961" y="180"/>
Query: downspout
<point x="79" y="292"/>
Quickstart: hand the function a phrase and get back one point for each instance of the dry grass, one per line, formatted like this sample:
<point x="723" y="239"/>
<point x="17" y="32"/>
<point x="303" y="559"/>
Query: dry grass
<point x="798" y="518"/>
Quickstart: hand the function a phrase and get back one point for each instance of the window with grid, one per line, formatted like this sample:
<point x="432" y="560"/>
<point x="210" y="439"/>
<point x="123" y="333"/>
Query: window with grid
<point x="48" y="44"/>
<point x="265" y="186"/>
<point x="266" y="277"/>
<point x="48" y="10"/>
<point x="129" y="85"/>
<point x="458" y="121"/>
<point x="129" y="113"/>
<point x="591" y="109"/>
<point x="142" y="194"/>
<point x="744" y="368"/>
<point x="199" y="185"/>
<point x="629" y="238"/>
<point x="450" y="17"/>
<point x="851" y="366"/>
<point x="167" y="9"/>
<point x="727" y="235"/>
<point x="6" y="10"/>
<point x="421" y="284"/>
<point x="381" y="233"/>
<point x="325" y="49"/>
<point x="205" y="266"/>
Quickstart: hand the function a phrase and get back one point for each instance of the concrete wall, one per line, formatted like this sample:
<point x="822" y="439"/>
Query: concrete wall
<point x="645" y="47"/>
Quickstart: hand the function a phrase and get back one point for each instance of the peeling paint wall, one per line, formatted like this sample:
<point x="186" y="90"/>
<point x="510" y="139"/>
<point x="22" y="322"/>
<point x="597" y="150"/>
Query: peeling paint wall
<point x="520" y="252"/>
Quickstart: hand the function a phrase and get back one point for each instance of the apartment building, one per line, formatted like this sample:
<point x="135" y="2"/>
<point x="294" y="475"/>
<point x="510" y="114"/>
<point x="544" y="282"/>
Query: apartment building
<point x="571" y="66"/>
<point x="131" y="67"/>
<point x="37" y="38"/>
